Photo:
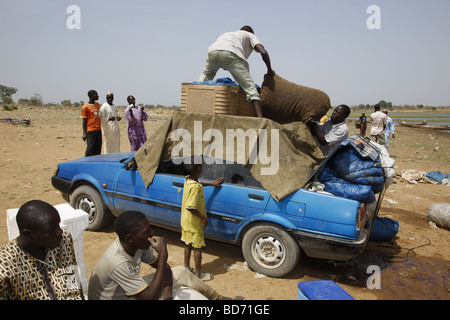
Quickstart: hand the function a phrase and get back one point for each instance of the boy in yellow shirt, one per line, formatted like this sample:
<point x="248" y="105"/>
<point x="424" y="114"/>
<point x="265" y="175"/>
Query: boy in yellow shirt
<point x="193" y="217"/>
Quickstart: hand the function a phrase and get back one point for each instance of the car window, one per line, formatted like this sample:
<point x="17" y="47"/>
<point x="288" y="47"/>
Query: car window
<point x="232" y="173"/>
<point x="168" y="167"/>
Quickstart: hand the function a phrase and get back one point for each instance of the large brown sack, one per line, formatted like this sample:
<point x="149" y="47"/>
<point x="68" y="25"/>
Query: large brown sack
<point x="286" y="102"/>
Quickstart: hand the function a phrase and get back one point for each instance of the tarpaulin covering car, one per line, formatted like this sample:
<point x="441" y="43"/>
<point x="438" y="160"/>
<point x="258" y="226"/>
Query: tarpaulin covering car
<point x="271" y="202"/>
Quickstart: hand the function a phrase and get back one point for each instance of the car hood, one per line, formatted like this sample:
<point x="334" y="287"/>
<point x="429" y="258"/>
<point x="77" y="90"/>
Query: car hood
<point x="112" y="157"/>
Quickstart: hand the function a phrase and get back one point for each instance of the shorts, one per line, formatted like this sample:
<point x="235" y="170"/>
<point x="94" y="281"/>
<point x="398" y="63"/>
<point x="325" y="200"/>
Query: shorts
<point x="197" y="239"/>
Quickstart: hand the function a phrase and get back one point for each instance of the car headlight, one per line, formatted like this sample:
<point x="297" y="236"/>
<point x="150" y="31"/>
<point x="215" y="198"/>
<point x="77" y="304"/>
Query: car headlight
<point x="55" y="172"/>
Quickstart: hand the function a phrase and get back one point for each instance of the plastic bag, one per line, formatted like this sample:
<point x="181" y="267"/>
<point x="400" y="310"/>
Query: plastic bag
<point x="439" y="213"/>
<point x="384" y="229"/>
<point x="387" y="163"/>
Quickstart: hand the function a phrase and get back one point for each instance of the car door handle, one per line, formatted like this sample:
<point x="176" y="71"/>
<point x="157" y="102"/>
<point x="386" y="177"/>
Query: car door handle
<point x="178" y="184"/>
<point x="255" y="196"/>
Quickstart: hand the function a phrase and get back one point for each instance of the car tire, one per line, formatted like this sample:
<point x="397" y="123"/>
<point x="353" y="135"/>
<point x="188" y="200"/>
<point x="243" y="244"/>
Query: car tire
<point x="90" y="201"/>
<point x="270" y="250"/>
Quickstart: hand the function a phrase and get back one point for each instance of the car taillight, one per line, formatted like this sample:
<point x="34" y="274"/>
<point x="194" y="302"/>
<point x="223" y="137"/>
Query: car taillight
<point x="361" y="216"/>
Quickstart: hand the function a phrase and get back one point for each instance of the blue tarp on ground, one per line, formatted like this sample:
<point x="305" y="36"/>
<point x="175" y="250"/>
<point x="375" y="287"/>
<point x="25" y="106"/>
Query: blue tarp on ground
<point x="438" y="176"/>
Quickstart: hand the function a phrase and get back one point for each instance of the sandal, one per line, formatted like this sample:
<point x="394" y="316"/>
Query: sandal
<point x="205" y="276"/>
<point x="190" y="269"/>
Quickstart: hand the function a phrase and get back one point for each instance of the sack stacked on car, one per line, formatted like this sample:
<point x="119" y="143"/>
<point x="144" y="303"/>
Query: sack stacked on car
<point x="285" y="102"/>
<point x="350" y="175"/>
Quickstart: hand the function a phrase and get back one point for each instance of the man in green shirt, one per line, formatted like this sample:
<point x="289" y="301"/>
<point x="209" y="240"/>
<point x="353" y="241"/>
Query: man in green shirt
<point x="116" y="275"/>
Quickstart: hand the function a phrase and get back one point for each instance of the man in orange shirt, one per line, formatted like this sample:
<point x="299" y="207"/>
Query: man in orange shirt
<point x="92" y="126"/>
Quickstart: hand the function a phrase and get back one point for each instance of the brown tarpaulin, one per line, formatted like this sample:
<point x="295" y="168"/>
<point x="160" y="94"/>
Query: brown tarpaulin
<point x="290" y="158"/>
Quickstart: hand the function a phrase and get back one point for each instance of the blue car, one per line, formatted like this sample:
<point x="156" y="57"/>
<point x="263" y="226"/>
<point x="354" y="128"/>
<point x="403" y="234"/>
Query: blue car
<point x="272" y="234"/>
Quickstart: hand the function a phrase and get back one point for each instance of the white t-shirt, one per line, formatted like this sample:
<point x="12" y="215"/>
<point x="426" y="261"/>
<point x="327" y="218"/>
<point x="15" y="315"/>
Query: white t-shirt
<point x="334" y="135"/>
<point x="379" y="121"/>
<point x="239" y="42"/>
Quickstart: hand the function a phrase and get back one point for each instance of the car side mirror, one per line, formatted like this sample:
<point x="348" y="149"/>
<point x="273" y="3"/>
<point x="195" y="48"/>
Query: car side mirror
<point x="131" y="165"/>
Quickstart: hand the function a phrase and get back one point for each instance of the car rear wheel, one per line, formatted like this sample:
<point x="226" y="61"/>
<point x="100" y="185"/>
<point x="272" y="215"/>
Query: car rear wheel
<point x="270" y="250"/>
<point x="90" y="201"/>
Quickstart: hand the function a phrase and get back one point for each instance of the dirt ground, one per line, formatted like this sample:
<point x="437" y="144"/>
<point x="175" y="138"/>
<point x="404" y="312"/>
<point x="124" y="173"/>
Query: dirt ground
<point x="415" y="265"/>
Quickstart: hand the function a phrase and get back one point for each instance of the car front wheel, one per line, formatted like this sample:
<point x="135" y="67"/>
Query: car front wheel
<point x="90" y="201"/>
<point x="270" y="250"/>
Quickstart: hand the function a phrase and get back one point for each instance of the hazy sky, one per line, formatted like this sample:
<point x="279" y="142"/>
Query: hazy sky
<point x="149" y="48"/>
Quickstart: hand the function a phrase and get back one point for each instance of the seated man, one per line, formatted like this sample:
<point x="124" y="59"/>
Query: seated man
<point x="40" y="263"/>
<point x="116" y="275"/>
<point x="330" y="134"/>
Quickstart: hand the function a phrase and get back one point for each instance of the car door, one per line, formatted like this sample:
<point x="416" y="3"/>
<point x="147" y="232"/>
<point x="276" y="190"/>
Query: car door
<point x="240" y="198"/>
<point x="160" y="202"/>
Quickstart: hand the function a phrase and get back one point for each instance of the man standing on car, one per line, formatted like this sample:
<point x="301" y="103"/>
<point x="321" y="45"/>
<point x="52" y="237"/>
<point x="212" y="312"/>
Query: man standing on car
<point x="330" y="134"/>
<point x="230" y="52"/>
<point x="92" y="125"/>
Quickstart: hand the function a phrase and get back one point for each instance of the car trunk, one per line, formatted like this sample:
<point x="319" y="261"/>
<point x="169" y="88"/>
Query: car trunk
<point x="369" y="152"/>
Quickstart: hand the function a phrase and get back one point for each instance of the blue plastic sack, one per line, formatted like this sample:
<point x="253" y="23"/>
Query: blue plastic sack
<point x="221" y="82"/>
<point x="342" y="188"/>
<point x="384" y="229"/>
<point x="351" y="166"/>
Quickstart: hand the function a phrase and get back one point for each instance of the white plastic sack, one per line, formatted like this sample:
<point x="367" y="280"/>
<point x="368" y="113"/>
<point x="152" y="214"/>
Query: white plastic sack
<point x="387" y="163"/>
<point x="439" y="213"/>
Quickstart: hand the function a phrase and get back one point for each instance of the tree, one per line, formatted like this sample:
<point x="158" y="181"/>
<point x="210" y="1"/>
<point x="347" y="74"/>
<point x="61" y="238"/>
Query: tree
<point x="66" y="103"/>
<point x="6" y="93"/>
<point x="385" y="105"/>
<point x="382" y="104"/>
<point x="36" y="100"/>
<point x="25" y="102"/>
